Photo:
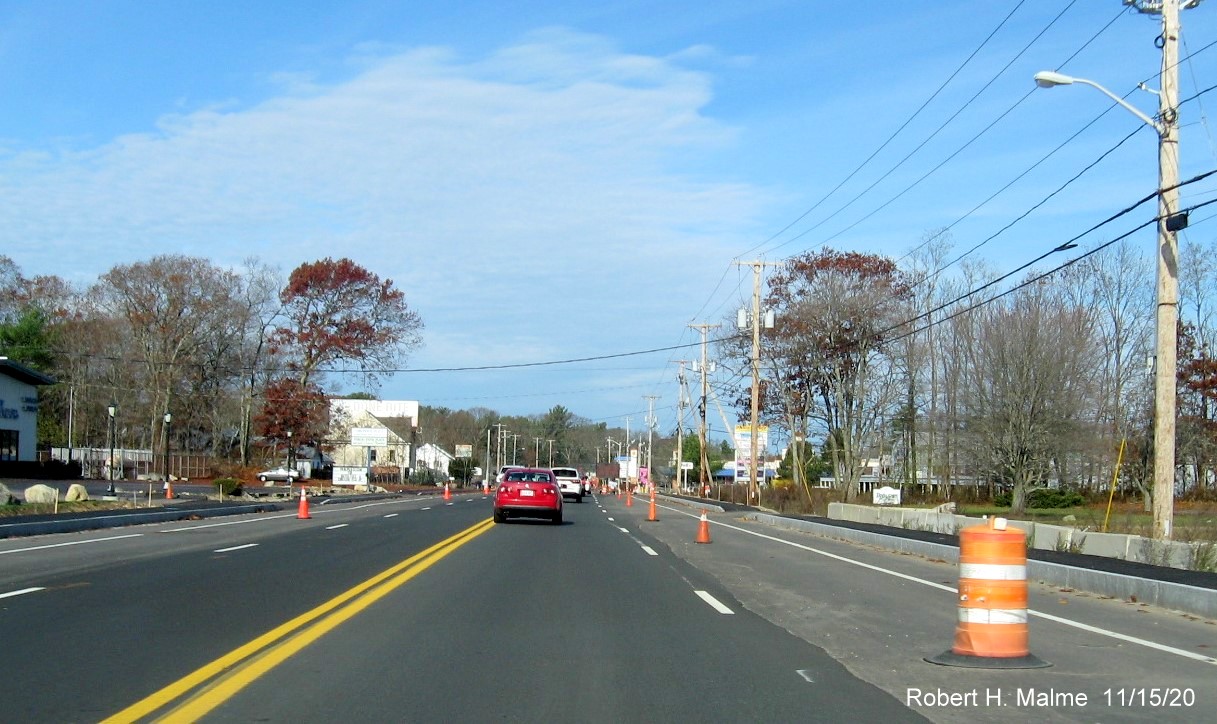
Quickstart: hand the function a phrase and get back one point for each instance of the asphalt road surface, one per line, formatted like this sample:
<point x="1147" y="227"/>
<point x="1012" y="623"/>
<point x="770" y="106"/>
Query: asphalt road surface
<point x="420" y="610"/>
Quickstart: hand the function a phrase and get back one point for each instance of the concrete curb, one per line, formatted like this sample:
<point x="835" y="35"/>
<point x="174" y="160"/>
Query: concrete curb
<point x="73" y="525"/>
<point x="1175" y="596"/>
<point x="690" y="503"/>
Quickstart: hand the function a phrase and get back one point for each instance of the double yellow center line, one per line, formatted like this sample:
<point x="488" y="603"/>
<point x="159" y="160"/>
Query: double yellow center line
<point x="201" y="691"/>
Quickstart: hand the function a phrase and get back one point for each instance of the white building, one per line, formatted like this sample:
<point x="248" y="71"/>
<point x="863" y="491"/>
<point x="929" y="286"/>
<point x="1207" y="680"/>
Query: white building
<point x="19" y="410"/>
<point x="399" y="419"/>
<point x="434" y="457"/>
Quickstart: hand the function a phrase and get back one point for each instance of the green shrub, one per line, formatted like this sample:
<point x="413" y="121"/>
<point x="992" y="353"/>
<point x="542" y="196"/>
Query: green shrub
<point x="1044" y="498"/>
<point x="230" y="486"/>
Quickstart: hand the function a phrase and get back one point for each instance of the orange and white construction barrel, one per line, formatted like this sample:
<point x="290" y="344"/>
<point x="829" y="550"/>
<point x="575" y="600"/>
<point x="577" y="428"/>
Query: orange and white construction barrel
<point x="991" y="630"/>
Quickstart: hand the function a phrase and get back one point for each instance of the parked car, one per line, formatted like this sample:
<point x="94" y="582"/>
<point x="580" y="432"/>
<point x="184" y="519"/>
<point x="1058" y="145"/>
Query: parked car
<point x="570" y="483"/>
<point x="528" y="493"/>
<point x="279" y="475"/>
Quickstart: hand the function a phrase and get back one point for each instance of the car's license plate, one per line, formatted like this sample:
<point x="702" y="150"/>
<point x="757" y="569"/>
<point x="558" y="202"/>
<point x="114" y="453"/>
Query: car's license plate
<point x="526" y="493"/>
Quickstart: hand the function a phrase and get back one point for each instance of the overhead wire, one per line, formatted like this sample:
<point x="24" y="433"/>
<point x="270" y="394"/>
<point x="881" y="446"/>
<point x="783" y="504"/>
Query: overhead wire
<point x="942" y="127"/>
<point x="1039" y="277"/>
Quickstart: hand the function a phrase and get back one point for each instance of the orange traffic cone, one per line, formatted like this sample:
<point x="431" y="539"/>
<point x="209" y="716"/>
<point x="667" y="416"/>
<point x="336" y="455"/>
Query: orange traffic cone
<point x="703" y="530"/>
<point x="447" y="492"/>
<point x="302" y="513"/>
<point x="168" y="490"/>
<point x="651" y="516"/>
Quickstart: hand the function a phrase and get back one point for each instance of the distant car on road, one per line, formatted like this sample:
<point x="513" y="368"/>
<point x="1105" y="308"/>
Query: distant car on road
<point x="503" y="472"/>
<point x="279" y="475"/>
<point x="528" y="493"/>
<point x="570" y="482"/>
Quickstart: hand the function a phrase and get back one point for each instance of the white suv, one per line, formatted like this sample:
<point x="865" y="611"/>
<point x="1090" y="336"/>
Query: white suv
<point x="570" y="483"/>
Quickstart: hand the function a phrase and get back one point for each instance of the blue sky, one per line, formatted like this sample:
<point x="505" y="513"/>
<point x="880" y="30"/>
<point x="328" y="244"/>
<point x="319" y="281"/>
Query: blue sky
<point x="555" y="180"/>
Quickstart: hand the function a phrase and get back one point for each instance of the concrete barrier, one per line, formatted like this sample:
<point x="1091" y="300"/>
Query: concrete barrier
<point x="1041" y="536"/>
<point x="1175" y="596"/>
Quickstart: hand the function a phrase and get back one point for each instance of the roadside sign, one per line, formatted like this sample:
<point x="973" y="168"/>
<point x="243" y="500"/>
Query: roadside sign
<point x="369" y="437"/>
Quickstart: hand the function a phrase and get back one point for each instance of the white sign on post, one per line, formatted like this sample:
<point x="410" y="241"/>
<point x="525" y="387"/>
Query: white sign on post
<point x="886" y="496"/>
<point x="350" y="475"/>
<point x="369" y="437"/>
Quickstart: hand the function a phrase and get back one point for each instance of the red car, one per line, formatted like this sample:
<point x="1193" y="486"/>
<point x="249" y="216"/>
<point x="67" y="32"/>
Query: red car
<point x="528" y="493"/>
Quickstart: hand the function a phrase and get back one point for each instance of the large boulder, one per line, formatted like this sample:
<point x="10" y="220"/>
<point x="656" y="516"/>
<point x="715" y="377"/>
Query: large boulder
<point x="6" y="496"/>
<point x="41" y="494"/>
<point x="76" y="492"/>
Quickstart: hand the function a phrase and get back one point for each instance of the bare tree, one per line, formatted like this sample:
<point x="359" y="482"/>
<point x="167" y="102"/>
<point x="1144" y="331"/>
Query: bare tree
<point x="1028" y="385"/>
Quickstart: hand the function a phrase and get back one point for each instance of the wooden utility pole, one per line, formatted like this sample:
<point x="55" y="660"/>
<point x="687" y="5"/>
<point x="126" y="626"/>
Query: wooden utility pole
<point x="650" y="429"/>
<point x="754" y="490"/>
<point x="701" y="433"/>
<point x="680" y="426"/>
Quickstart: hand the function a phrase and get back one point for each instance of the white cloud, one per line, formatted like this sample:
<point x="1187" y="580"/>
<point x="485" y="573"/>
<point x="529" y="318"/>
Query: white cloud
<point x="539" y="188"/>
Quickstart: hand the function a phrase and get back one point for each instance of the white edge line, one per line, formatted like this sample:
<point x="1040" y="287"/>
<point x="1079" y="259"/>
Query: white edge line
<point x="235" y="548"/>
<point x="72" y="543"/>
<point x="258" y="519"/>
<point x="335" y="527"/>
<point x="714" y="602"/>
<point x="391" y="515"/>
<point x="1056" y="619"/>
<point x="650" y="551"/>
<point x="624" y="530"/>
<point x="22" y="592"/>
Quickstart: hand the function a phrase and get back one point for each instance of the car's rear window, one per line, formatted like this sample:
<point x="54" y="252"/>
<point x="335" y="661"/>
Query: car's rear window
<point x="566" y="472"/>
<point x="522" y="477"/>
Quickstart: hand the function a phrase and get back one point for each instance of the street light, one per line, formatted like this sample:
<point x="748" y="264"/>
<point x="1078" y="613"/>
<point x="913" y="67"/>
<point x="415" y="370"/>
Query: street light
<point x="1167" y="128"/>
<point x="112" y="410"/>
<point x="168" y="419"/>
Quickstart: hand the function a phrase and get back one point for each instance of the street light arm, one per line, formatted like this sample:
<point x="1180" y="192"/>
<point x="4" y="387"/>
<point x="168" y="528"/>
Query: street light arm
<point x="1049" y="79"/>
<point x="1158" y="127"/>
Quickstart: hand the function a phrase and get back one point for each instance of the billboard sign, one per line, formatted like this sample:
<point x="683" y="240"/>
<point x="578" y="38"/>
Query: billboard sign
<point x="369" y="437"/>
<point x="743" y="450"/>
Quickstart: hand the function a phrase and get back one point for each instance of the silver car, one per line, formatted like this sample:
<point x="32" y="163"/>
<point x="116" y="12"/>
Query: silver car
<point x="279" y="475"/>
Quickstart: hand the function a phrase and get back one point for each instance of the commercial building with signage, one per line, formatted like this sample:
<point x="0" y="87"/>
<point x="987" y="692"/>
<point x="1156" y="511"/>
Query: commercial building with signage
<point x="19" y="410"/>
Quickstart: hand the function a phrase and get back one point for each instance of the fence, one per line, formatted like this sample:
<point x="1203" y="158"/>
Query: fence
<point x="133" y="464"/>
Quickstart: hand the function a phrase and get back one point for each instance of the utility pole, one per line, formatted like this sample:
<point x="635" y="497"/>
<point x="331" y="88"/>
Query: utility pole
<point x="497" y="449"/>
<point x="754" y="490"/>
<point x="650" y="426"/>
<point x="536" y="451"/>
<point x="1167" y="127"/>
<point x="514" y="437"/>
<point x="682" y="394"/>
<point x="701" y="433"/>
<point x="486" y="472"/>
<point x="551" y="453"/>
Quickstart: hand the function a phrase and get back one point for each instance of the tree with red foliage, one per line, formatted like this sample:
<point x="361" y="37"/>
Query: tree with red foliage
<point x="1197" y="375"/>
<point x="335" y="311"/>
<point x="826" y="358"/>
<point x="290" y="406"/>
<point x="338" y="311"/>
